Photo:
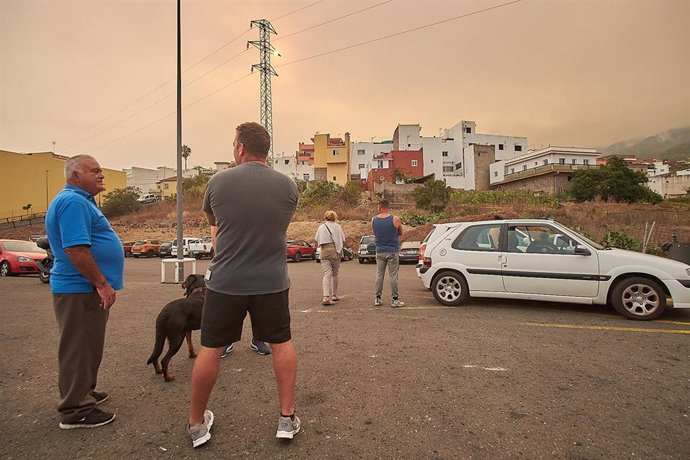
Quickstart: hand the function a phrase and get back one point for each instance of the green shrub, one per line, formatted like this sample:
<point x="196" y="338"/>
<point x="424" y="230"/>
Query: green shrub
<point x="621" y="241"/>
<point x="432" y="196"/>
<point x="121" y="201"/>
<point x="416" y="220"/>
<point x="502" y="197"/>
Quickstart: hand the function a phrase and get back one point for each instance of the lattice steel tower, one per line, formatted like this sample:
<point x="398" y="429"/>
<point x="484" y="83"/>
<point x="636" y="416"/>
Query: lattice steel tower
<point x="266" y="69"/>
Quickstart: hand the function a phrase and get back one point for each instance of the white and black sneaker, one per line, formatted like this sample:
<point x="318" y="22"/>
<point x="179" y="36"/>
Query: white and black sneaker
<point x="396" y="303"/>
<point x="260" y="347"/>
<point x="228" y="350"/>
<point x="201" y="433"/>
<point x="95" y="419"/>
<point x="377" y="301"/>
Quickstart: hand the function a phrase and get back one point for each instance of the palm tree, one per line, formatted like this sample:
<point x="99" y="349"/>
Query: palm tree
<point x="186" y="151"/>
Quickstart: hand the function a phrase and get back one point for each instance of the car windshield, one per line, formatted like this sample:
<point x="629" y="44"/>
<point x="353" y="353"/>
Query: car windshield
<point x="368" y="239"/>
<point x="22" y="246"/>
<point x="139" y="243"/>
<point x="587" y="240"/>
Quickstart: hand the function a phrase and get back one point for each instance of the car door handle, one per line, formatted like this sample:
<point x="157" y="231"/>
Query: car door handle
<point x="503" y="259"/>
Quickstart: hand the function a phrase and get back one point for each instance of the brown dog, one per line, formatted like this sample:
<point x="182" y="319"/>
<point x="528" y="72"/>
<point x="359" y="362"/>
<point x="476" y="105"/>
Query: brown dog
<point x="176" y="321"/>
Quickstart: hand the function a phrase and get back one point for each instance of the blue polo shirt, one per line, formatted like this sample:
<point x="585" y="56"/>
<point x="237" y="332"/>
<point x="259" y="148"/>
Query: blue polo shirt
<point x="73" y="219"/>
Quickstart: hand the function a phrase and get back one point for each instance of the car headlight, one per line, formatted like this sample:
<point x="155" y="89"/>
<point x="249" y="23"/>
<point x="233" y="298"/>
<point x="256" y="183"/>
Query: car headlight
<point x="24" y="259"/>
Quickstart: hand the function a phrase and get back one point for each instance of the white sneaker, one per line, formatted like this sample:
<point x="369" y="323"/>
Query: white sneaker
<point x="377" y="301"/>
<point x="395" y="303"/>
<point x="288" y="427"/>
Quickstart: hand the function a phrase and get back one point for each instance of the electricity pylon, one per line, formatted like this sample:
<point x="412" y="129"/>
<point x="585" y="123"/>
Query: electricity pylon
<point x="266" y="69"/>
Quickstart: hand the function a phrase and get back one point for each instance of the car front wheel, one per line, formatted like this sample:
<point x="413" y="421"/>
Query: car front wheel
<point x="297" y="257"/>
<point x="639" y="298"/>
<point x="5" y="269"/>
<point x="450" y="288"/>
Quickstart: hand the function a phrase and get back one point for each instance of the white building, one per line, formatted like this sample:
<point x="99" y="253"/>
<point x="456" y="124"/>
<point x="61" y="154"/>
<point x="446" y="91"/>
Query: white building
<point x="451" y="156"/>
<point x="670" y="186"/>
<point x="549" y="161"/>
<point x="146" y="179"/>
<point x="658" y="168"/>
<point x="362" y="154"/>
<point x="289" y="166"/>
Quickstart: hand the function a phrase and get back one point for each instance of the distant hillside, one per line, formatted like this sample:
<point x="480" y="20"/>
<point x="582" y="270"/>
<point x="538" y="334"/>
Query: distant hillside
<point x="669" y="145"/>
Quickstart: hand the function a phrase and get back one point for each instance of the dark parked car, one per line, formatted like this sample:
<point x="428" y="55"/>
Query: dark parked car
<point x="409" y="252"/>
<point x="165" y="249"/>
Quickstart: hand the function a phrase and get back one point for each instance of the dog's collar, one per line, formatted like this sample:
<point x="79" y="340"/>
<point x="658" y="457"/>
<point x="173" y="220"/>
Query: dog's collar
<point x="198" y="289"/>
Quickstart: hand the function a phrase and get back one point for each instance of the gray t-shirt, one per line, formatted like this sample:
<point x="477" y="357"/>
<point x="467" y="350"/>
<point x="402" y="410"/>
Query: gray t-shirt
<point x="253" y="205"/>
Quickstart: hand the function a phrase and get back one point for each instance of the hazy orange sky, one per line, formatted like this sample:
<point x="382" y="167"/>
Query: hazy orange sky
<point x="561" y="72"/>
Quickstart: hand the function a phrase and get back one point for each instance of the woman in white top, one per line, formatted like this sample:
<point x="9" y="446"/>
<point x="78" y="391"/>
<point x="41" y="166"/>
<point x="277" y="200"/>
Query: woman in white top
<point x="330" y="238"/>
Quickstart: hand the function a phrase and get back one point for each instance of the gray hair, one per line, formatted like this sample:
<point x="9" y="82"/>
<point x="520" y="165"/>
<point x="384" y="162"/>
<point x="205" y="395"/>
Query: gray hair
<point x="74" y="164"/>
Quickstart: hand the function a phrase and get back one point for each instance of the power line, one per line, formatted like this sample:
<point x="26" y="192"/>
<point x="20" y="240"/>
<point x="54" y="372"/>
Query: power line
<point x="325" y="54"/>
<point x="414" y="29"/>
<point x="170" y="114"/>
<point x="332" y="20"/>
<point x="117" y="112"/>
<point x="154" y="103"/>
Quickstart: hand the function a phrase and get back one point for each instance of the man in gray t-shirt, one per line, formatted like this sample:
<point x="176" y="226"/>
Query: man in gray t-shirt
<point x="249" y="208"/>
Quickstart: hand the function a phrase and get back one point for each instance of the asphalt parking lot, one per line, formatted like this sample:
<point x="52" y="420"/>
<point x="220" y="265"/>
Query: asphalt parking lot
<point x="490" y="379"/>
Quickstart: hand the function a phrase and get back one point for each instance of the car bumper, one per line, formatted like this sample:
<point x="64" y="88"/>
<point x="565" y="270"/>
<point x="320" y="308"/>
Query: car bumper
<point x="25" y="268"/>
<point x="680" y="292"/>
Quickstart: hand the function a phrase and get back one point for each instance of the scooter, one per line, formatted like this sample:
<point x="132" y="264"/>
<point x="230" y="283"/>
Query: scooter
<point x="46" y="264"/>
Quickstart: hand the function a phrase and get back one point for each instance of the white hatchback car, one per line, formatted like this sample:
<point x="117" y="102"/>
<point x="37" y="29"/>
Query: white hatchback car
<point x="543" y="260"/>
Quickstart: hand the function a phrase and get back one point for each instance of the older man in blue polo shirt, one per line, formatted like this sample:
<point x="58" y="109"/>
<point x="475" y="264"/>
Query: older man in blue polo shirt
<point x="88" y="269"/>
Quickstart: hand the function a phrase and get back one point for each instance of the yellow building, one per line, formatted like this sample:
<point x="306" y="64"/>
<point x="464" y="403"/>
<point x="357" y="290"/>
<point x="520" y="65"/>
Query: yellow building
<point x="35" y="179"/>
<point x="167" y="188"/>
<point x="332" y="158"/>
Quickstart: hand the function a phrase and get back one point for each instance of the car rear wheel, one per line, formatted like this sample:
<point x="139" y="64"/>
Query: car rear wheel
<point x="297" y="257"/>
<point x="450" y="288"/>
<point x="361" y="261"/>
<point x="639" y="298"/>
<point x="44" y="277"/>
<point x="5" y="269"/>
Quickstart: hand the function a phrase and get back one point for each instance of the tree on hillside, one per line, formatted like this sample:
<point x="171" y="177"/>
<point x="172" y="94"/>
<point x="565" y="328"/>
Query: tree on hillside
<point x="615" y="181"/>
<point x="121" y="201"/>
<point x="433" y="196"/>
<point x="194" y="186"/>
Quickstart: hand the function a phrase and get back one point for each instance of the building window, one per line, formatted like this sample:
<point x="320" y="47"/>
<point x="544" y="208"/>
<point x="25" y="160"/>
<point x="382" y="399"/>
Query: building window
<point x="536" y="164"/>
<point x="444" y="154"/>
<point x="166" y="186"/>
<point x="512" y="170"/>
<point x="500" y="146"/>
<point x="546" y="161"/>
<point x="360" y="152"/>
<point x="447" y="169"/>
<point x="495" y="173"/>
<point x="524" y="167"/>
<point x="334" y="179"/>
<point x="585" y="162"/>
<point x="468" y="130"/>
<point x="335" y="153"/>
<point x="287" y="162"/>
<point x="573" y="161"/>
<point x="380" y="166"/>
<point x="413" y="163"/>
<point x="360" y="166"/>
<point x="458" y="165"/>
<point x="306" y="176"/>
<point x="561" y="161"/>
<point x="518" y="148"/>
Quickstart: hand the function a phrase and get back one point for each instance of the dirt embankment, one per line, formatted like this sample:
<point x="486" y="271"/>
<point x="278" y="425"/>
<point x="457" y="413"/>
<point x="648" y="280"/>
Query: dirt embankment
<point x="159" y="221"/>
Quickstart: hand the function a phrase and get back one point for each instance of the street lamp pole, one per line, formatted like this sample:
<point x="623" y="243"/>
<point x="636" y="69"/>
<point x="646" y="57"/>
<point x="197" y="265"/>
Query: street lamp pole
<point x="47" y="190"/>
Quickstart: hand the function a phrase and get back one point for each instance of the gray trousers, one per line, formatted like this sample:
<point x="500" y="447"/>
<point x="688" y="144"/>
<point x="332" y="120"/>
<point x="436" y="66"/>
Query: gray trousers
<point x="390" y="260"/>
<point x="81" y="322"/>
<point x="330" y="268"/>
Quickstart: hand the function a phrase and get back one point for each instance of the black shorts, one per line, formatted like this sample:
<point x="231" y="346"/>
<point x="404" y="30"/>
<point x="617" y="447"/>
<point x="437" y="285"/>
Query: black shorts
<point x="223" y="317"/>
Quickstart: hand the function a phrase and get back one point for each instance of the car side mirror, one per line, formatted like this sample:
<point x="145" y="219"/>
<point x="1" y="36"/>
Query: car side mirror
<point x="582" y="251"/>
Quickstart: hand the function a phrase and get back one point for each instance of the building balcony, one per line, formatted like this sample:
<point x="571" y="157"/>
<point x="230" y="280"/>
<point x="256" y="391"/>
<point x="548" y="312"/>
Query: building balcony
<point x="554" y="168"/>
